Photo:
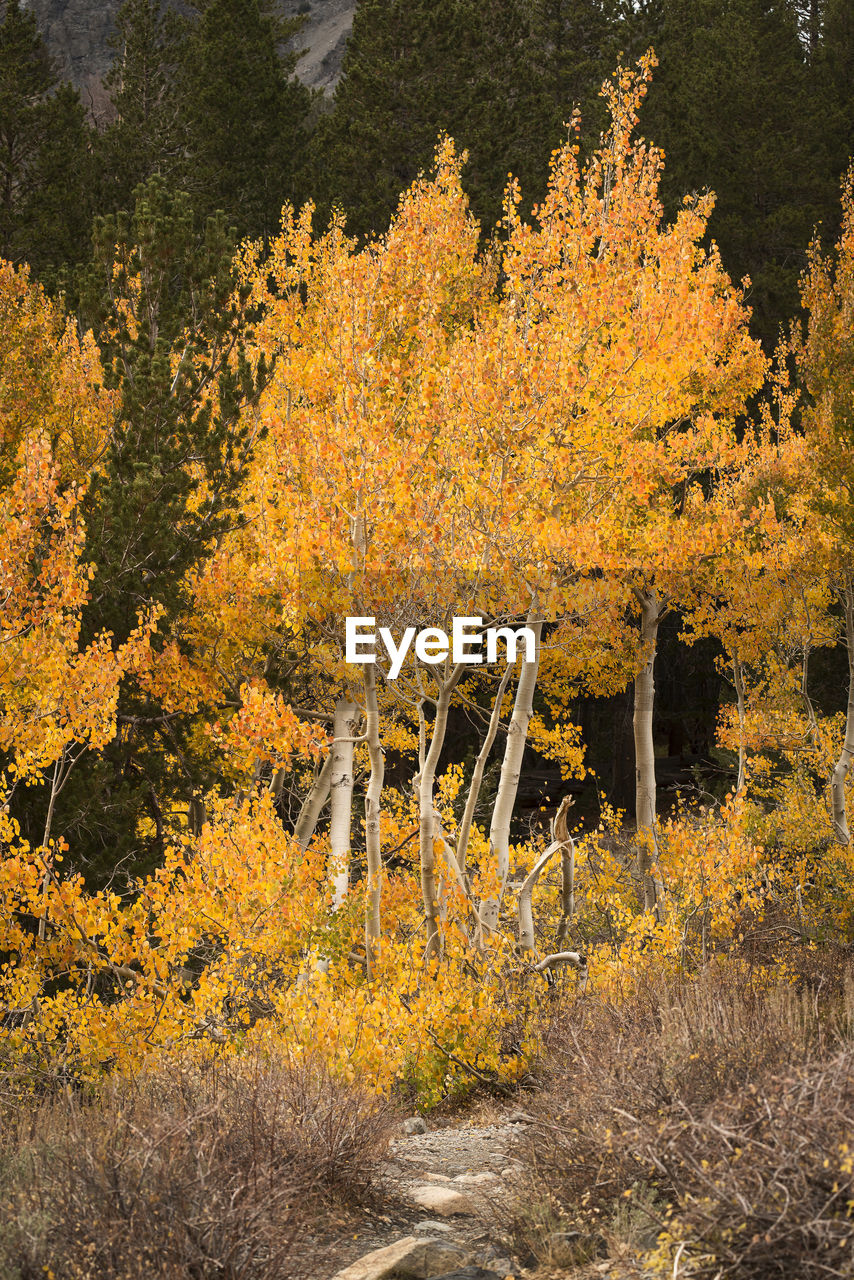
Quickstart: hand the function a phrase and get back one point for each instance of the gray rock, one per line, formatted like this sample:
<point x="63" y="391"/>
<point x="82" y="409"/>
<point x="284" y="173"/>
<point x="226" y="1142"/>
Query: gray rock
<point x="473" y="1273"/>
<point x="445" y="1201"/>
<point x="520" y="1117"/>
<point x="407" y="1259"/>
<point x="431" y="1226"/>
<point x="78" y="34"/>
<point x="492" y="1257"/>
<point x="414" y="1124"/>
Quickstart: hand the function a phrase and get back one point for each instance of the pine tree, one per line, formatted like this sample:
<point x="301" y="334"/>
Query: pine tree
<point x="415" y="68"/>
<point x="581" y="42"/>
<point x="833" y="97"/>
<point x="45" y="174"/>
<point x="245" y="113"/>
<point x="146" y="137"/>
<point x="171" y="322"/>
<point x="730" y="104"/>
<point x="172" y="325"/>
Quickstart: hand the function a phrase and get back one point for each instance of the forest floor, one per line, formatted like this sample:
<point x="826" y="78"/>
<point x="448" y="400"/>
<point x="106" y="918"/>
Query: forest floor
<point x="461" y="1170"/>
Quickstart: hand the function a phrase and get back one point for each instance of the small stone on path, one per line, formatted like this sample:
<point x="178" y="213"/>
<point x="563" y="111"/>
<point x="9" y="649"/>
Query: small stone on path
<point x="475" y="1273"/>
<point x="414" y="1124"/>
<point x="520" y="1117"/>
<point x="407" y="1259"/>
<point x="442" y="1200"/>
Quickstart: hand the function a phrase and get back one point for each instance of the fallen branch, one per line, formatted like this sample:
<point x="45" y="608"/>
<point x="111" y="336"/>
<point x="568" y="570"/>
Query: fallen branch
<point x="574" y="958"/>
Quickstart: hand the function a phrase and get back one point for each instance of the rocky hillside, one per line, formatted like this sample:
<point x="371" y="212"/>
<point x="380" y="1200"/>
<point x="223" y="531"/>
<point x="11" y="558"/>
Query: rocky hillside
<point x="78" y="32"/>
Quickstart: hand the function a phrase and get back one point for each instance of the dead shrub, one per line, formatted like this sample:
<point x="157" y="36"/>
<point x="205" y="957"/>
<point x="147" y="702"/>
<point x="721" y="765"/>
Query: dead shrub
<point x="640" y="1094"/>
<point x="762" y="1182"/>
<point x="199" y="1172"/>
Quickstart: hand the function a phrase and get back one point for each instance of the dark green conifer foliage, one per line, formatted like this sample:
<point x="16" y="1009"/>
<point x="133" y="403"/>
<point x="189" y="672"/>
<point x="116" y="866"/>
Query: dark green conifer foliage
<point x="580" y="42"/>
<point x="413" y="69"/>
<point x="45" y="172"/>
<point x="185" y="382"/>
<point x="833" y="98"/>
<point x="730" y="104"/>
<point x="244" y="111"/>
<point x="184" y="378"/>
<point x="147" y="135"/>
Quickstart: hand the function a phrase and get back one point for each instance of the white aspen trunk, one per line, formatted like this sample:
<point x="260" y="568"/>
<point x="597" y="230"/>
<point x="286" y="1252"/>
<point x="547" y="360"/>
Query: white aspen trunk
<point x="815" y="733"/>
<point x="560" y="831"/>
<point x="576" y="959"/>
<point x="450" y="857"/>
<point x="511" y="768"/>
<point x="838" y="806"/>
<point x="427" y="817"/>
<point x="372" y="813"/>
<point x="645" y="785"/>
<point x="422" y="741"/>
<point x="738" y="682"/>
<point x="567" y="893"/>
<point x="55" y="789"/>
<point x="477" y="774"/>
<point x="341" y="787"/>
<point x="526" y="910"/>
<point x="313" y="803"/>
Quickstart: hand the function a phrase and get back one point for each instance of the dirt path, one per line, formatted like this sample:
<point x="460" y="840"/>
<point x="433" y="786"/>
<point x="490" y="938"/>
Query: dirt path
<point x="443" y="1185"/>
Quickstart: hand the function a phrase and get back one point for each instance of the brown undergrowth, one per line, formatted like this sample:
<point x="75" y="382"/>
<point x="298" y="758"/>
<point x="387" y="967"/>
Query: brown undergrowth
<point x="704" y="1127"/>
<point x="219" y="1170"/>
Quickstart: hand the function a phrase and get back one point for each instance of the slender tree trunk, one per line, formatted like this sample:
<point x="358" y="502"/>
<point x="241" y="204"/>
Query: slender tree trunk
<point x="567" y="893"/>
<point x="48" y="823"/>
<point x="372" y="813"/>
<point x="511" y="768"/>
<point x="838" y="806"/>
<point x="738" y="682"/>
<point x="313" y="803"/>
<point x="197" y="815"/>
<point x="815" y="732"/>
<point x="645" y="785"/>
<point x="341" y="785"/>
<point x="560" y="831"/>
<point x="526" y="910"/>
<point x="427" y="823"/>
<point x="477" y="775"/>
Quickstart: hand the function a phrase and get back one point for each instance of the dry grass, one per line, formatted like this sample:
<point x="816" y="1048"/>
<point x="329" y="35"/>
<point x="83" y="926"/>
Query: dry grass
<point x="717" y="1110"/>
<point x="191" y="1174"/>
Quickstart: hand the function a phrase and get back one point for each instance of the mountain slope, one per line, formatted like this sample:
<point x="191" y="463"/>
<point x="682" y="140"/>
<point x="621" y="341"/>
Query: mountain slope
<point x="78" y="33"/>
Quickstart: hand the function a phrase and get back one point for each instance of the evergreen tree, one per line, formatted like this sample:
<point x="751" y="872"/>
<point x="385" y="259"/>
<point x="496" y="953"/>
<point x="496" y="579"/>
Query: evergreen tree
<point x="146" y="137"/>
<point x="581" y="41"/>
<point x="244" y="111"/>
<point x="45" y="173"/>
<point x="731" y="106"/>
<point x="172" y="325"/>
<point x="833" y="98"/>
<point x="163" y="300"/>
<point x="415" y="68"/>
